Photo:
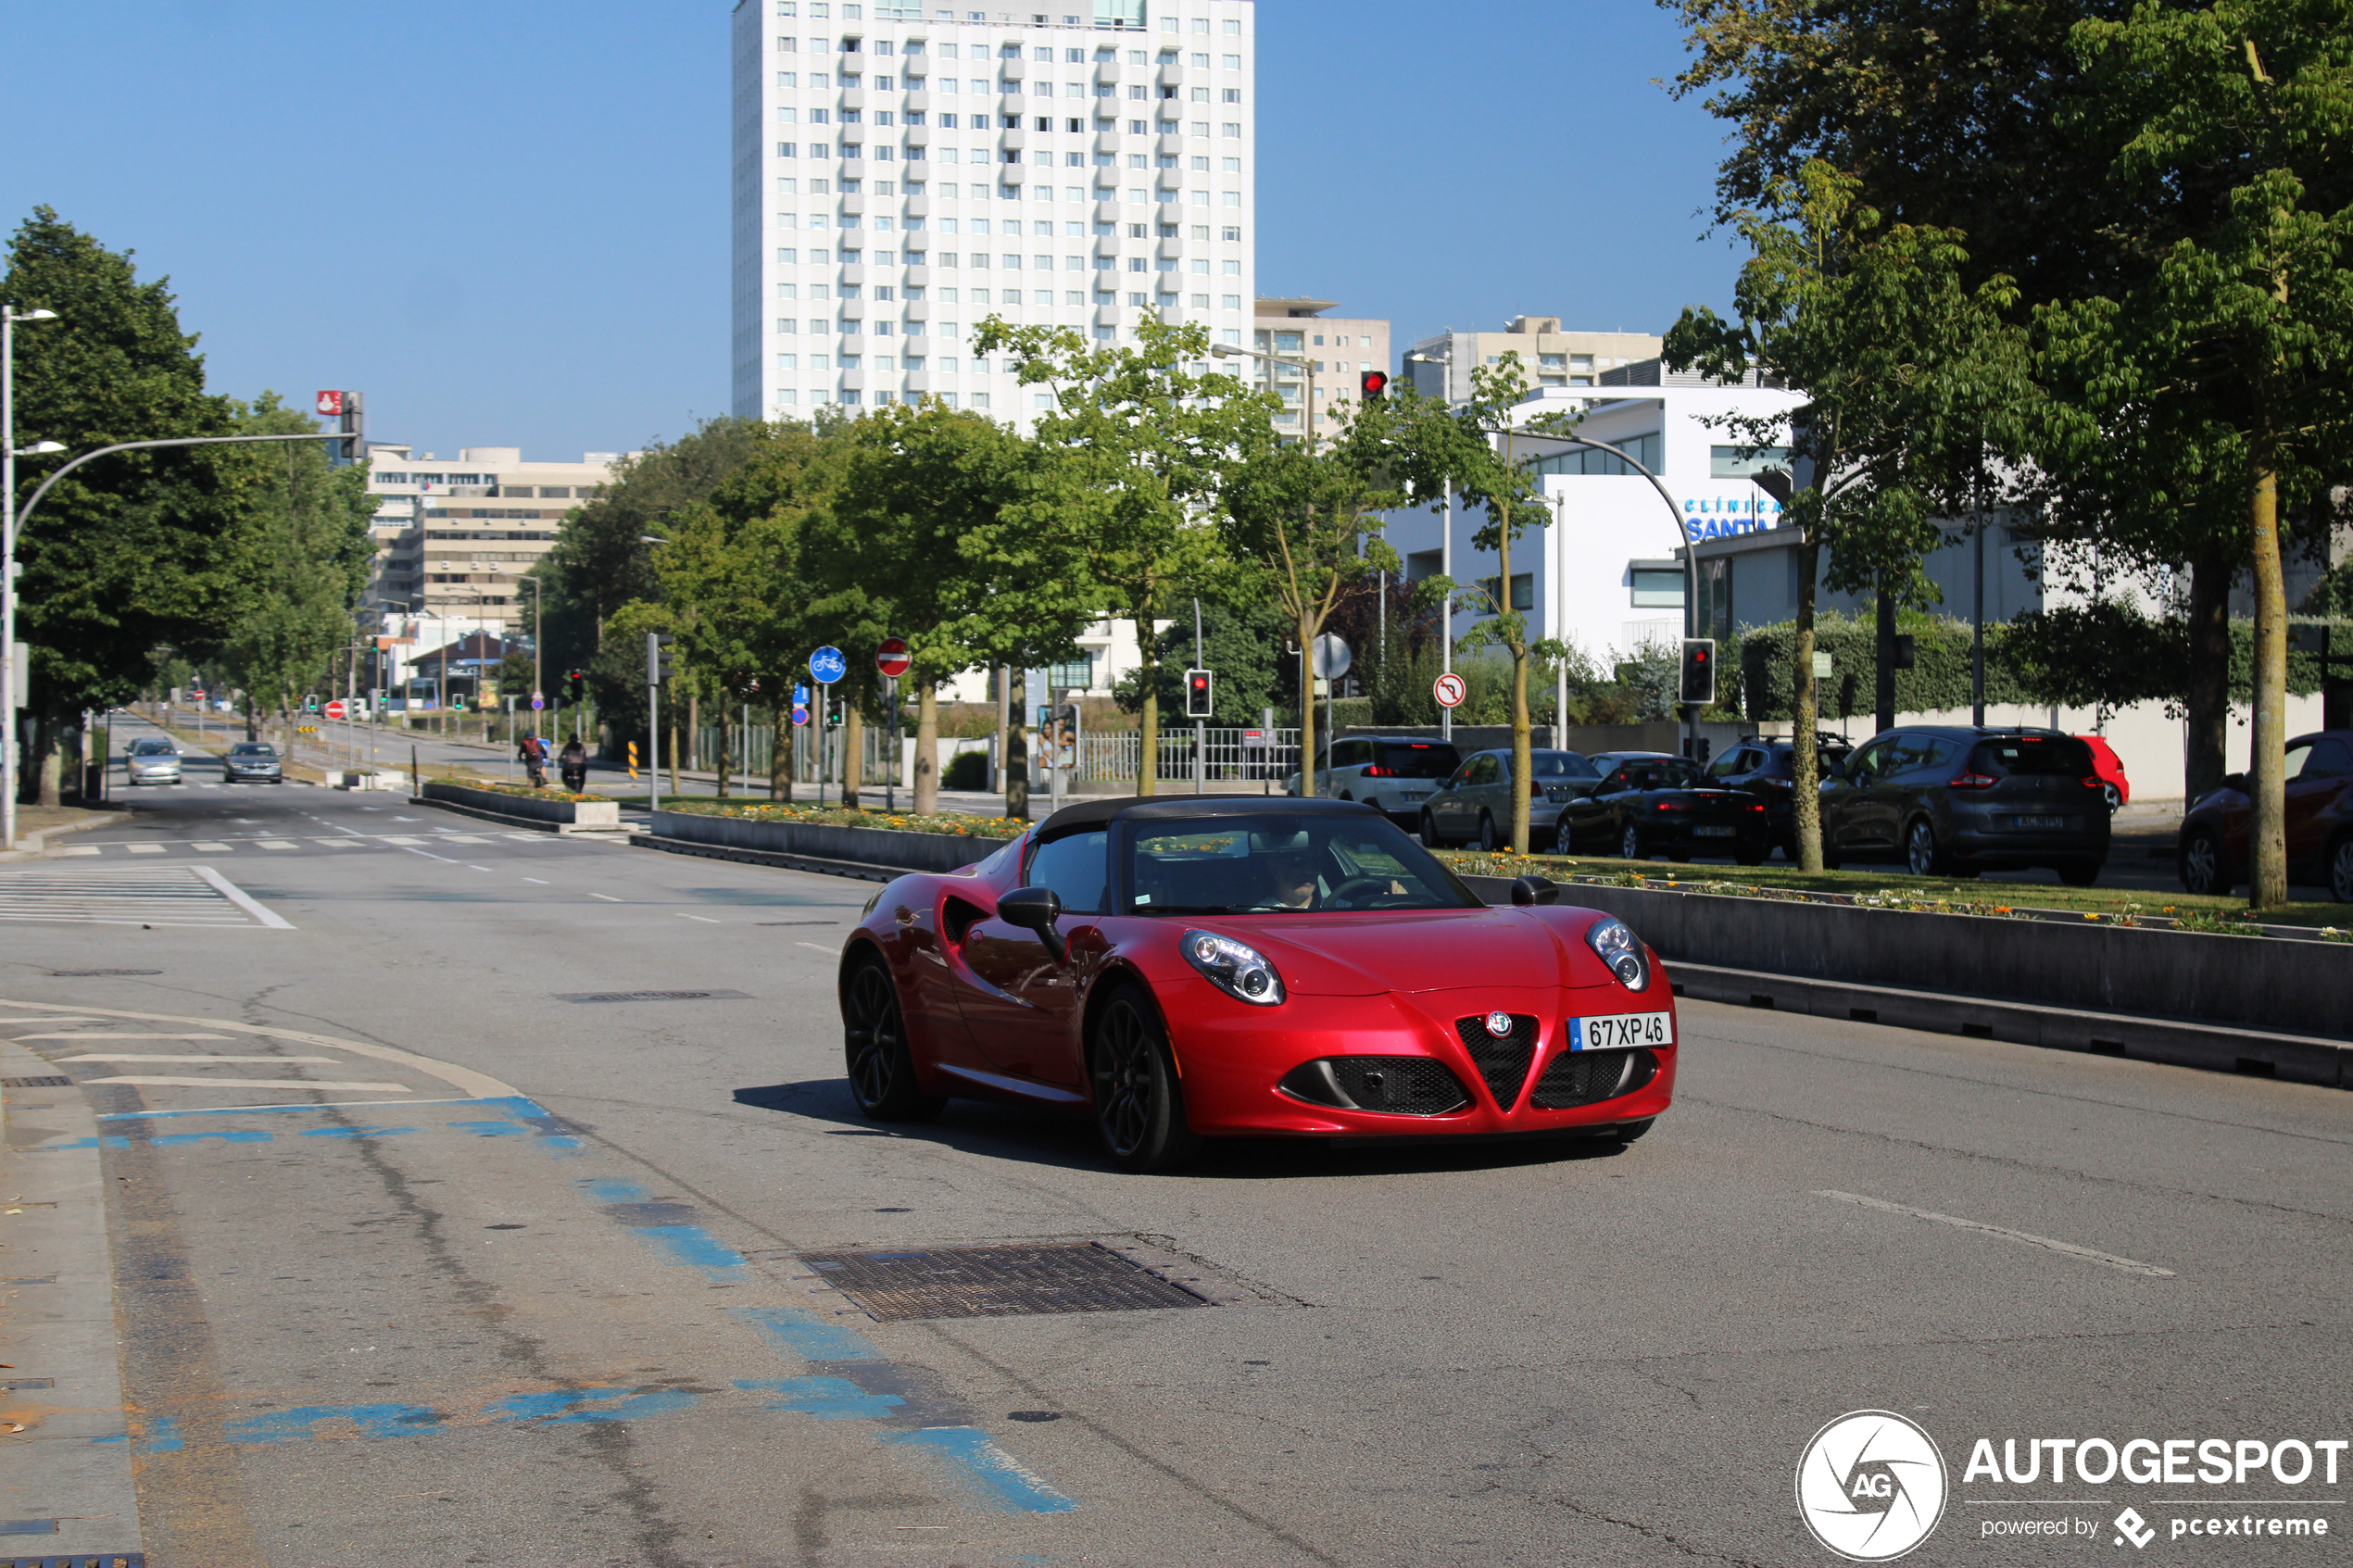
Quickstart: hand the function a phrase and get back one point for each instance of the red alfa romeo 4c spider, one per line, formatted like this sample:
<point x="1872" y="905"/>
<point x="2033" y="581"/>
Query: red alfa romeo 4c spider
<point x="1194" y="967"/>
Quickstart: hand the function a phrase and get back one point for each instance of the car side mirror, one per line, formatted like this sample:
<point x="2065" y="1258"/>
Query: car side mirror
<point x="1035" y="909"/>
<point x="2235" y="781"/>
<point x="1530" y="890"/>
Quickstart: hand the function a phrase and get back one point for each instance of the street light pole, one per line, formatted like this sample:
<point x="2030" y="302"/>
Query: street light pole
<point x="1306" y="656"/>
<point x="9" y="317"/>
<point x="538" y="627"/>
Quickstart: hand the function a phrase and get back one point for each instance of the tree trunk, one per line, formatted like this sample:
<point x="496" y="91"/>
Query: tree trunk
<point x="49" y="767"/>
<point x="1148" y="725"/>
<point x="1805" y="786"/>
<point x="2266" y="778"/>
<point x="1016" y="756"/>
<point x="673" y="749"/>
<point x="780" y="755"/>
<point x="2207" y="695"/>
<point x="1004" y="709"/>
<point x="1306" y="712"/>
<point x="926" y="745"/>
<point x="694" y="731"/>
<point x="1523" y="762"/>
<point x="853" y="752"/>
<point x="726" y="752"/>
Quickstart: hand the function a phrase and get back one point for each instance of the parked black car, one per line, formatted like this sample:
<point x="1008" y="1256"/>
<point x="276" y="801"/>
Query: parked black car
<point x="1766" y="766"/>
<point x="2320" y="822"/>
<point x="1958" y="801"/>
<point x="1648" y="804"/>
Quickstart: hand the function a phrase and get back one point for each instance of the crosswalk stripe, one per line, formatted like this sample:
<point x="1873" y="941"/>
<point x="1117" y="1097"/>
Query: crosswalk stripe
<point x="142" y="1080"/>
<point x="196" y="896"/>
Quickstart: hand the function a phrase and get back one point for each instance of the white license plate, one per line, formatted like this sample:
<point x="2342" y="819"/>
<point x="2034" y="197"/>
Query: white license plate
<point x="1619" y="1029"/>
<point x="2040" y="821"/>
<point x="1711" y="832"/>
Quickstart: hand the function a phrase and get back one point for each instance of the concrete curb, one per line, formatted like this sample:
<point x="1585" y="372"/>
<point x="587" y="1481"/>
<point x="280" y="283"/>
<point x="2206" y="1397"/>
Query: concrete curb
<point x="2215" y="1048"/>
<point x="538" y="824"/>
<point x="857" y="868"/>
<point x="33" y="846"/>
<point x="72" y="1463"/>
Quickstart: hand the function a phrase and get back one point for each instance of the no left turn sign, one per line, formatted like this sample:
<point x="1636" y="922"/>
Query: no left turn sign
<point x="1448" y="689"/>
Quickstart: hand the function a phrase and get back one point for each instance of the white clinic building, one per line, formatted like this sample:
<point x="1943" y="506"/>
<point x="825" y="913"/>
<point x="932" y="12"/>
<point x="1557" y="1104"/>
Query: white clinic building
<point x="902" y="172"/>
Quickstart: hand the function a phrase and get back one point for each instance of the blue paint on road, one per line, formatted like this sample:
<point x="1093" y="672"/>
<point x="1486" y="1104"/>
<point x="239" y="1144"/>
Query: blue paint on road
<point x="246" y="1134"/>
<point x="348" y="1133"/>
<point x="697" y="1247"/>
<point x="828" y="1398"/>
<point x="163" y="1437"/>
<point x="554" y="1408"/>
<point x="989" y="1476"/>
<point x="795" y="1331"/>
<point x="614" y="1192"/>
<point x="490" y="1129"/>
<point x="103" y="1141"/>
<point x="300" y="1426"/>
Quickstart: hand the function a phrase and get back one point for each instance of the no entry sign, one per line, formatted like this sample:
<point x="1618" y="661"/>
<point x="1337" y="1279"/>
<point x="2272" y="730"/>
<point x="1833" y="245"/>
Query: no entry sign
<point x="335" y="709"/>
<point x="892" y="659"/>
<point x="1448" y="690"/>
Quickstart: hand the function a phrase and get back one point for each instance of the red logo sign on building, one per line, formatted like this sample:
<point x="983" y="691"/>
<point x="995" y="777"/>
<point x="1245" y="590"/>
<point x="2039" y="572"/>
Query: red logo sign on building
<point x="330" y="403"/>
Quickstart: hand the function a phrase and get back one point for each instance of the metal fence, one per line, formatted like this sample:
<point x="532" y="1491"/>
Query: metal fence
<point x="1217" y="755"/>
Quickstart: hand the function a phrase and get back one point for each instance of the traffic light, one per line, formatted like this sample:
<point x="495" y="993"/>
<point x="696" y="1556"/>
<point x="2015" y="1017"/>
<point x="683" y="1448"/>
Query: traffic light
<point x="578" y="681"/>
<point x="1699" y="671"/>
<point x="1197" y="694"/>
<point x="1903" y="651"/>
<point x="658" y="657"/>
<point x="834" y="712"/>
<point x="1373" y="385"/>
<point x="310" y="704"/>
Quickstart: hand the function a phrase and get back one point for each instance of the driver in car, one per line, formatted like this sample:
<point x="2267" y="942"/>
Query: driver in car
<point x="1288" y="883"/>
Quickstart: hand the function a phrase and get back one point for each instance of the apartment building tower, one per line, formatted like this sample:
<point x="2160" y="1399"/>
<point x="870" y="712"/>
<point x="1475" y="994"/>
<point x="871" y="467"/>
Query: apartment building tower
<point x="1440" y="366"/>
<point x="1340" y="348"/>
<point x="903" y="171"/>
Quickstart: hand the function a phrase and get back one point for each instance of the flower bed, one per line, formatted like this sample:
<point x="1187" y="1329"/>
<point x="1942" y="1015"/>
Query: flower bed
<point x="527" y="793"/>
<point x="967" y="824"/>
<point x="567" y="813"/>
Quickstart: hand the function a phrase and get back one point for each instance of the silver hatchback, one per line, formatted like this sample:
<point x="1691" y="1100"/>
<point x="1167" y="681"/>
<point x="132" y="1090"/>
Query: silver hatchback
<point x="152" y="760"/>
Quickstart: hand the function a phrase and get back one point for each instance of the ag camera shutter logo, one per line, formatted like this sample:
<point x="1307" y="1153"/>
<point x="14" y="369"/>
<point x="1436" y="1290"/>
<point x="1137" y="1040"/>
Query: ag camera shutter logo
<point x="1871" y="1486"/>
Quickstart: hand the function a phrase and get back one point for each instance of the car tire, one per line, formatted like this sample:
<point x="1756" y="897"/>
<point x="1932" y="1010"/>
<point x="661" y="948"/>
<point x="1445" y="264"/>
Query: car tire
<point x="874" y="1027"/>
<point x="2201" y="867"/>
<point x="2080" y="874"/>
<point x="2339" y="861"/>
<point x="1922" y="855"/>
<point x="1139" y="1107"/>
<point x="1630" y="844"/>
<point x="1430" y="839"/>
<point x="1487" y="840"/>
<point x="1750" y="857"/>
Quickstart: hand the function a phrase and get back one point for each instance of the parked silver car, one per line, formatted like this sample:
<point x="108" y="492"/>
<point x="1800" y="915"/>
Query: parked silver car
<point x="152" y="760"/>
<point x="1475" y="804"/>
<point x="1391" y="773"/>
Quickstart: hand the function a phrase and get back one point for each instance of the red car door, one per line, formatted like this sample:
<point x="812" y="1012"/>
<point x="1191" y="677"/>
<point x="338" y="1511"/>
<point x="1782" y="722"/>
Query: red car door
<point x="1019" y="1000"/>
<point x="2313" y="779"/>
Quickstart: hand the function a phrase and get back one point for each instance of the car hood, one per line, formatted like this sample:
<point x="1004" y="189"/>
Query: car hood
<point x="1364" y="955"/>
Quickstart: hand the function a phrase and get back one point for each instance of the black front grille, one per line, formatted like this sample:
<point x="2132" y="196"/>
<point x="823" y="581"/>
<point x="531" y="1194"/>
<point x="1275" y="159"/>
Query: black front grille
<point x="1502" y="1062"/>
<point x="1400" y="1085"/>
<point x="1577" y="1078"/>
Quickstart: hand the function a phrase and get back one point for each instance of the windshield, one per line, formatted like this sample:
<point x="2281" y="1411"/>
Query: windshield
<point x="151" y="747"/>
<point x="1561" y="765"/>
<point x="1661" y="773"/>
<point x="1416" y="759"/>
<point x="251" y="748"/>
<point x="2031" y="755"/>
<point x="1280" y="863"/>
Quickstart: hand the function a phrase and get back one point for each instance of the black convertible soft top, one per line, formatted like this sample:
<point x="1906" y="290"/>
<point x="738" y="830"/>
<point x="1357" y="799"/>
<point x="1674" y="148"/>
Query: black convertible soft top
<point x="1096" y="812"/>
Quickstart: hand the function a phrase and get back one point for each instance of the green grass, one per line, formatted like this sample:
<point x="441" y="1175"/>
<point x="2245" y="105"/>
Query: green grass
<point x="1888" y="888"/>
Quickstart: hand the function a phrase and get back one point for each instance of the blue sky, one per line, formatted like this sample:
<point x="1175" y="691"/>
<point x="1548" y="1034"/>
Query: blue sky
<point x="507" y="221"/>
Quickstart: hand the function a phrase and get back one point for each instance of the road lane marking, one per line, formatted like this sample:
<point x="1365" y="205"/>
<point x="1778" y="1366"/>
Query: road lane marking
<point x="817" y="946"/>
<point x="96" y="1035"/>
<point x="465" y="838"/>
<point x="131" y="1056"/>
<point x="236" y="895"/>
<point x="2023" y="1237"/>
<point x="465" y="1080"/>
<point x="144" y="848"/>
<point x="606" y="898"/>
<point x="540" y="880"/>
<point x="430" y="855"/>
<point x="705" y="919"/>
<point x="138" y="1082"/>
<point x="211" y="847"/>
<point x="272" y="844"/>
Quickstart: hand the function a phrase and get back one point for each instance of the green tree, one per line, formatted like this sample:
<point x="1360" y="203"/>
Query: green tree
<point x="1139" y="443"/>
<point x="308" y="523"/>
<point x="1905" y="370"/>
<point x="2239" y="336"/>
<point x="137" y="549"/>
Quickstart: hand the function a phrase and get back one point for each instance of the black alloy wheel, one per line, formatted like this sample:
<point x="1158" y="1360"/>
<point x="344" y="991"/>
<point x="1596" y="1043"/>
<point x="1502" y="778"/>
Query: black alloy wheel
<point x="1630" y="845"/>
<point x="2340" y="863"/>
<point x="2202" y="870"/>
<point x="874" y="1030"/>
<point x="1487" y="839"/>
<point x="1921" y="855"/>
<point x="1139" y="1108"/>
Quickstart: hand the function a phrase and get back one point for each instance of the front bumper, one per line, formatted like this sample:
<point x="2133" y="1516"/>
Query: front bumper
<point x="1233" y="1059"/>
<point x="155" y="776"/>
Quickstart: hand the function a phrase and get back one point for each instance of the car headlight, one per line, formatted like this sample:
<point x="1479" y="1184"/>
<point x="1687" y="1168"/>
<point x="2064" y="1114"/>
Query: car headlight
<point x="1236" y="968"/>
<point x="1622" y="952"/>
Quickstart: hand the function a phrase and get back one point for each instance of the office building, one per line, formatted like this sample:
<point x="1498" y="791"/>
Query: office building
<point x="1440" y="366"/>
<point x="1340" y="348"/>
<point x="453" y="538"/>
<point x="903" y="171"/>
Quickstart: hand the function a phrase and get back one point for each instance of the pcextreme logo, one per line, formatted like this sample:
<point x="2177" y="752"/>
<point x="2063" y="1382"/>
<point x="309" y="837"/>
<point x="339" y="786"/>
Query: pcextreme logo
<point x="1871" y="1486"/>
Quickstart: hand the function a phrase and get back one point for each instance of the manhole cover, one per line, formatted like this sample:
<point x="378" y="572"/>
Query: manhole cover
<point x="651" y="996"/>
<point x="36" y="1083"/>
<point x="96" y="974"/>
<point x="996" y="1282"/>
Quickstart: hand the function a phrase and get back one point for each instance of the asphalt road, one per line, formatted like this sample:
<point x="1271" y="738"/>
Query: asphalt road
<point x="516" y="1282"/>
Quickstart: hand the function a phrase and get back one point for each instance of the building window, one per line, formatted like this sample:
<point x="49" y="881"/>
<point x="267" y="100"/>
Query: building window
<point x="1657" y="587"/>
<point x="1523" y="589"/>
<point x="1736" y="462"/>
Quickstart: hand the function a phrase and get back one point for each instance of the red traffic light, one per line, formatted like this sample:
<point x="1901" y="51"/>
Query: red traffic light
<point x="1373" y="384"/>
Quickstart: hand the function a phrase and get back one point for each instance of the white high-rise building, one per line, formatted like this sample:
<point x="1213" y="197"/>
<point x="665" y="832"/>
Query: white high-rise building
<point x="904" y="171"/>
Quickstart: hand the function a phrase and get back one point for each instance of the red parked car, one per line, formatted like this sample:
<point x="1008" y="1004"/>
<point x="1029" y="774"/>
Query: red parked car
<point x="1189" y="967"/>
<point x="2109" y="768"/>
<point x="2213" y="850"/>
